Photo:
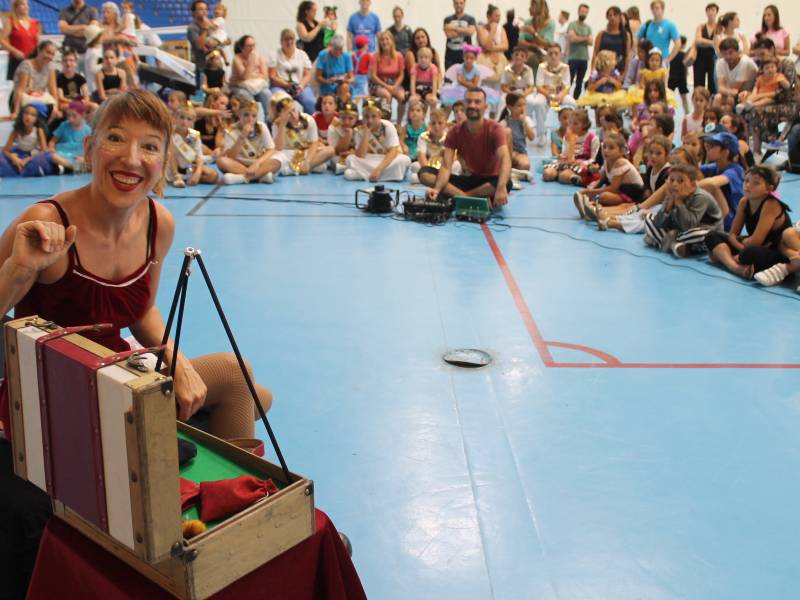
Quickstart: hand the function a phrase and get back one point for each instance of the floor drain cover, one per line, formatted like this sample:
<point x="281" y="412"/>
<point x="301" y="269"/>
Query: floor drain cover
<point x="468" y="358"/>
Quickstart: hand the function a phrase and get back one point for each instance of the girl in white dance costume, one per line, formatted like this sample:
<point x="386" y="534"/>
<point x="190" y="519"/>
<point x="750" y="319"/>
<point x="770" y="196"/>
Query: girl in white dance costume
<point x="249" y="154"/>
<point x="377" y="156"/>
<point x="186" y="163"/>
<point x="296" y="138"/>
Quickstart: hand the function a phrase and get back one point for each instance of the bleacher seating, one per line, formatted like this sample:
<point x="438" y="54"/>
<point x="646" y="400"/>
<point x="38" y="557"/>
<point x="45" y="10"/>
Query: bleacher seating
<point x="156" y="13"/>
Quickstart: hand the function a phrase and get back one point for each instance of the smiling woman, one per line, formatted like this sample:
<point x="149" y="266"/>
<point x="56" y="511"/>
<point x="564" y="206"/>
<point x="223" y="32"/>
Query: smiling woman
<point x="94" y="255"/>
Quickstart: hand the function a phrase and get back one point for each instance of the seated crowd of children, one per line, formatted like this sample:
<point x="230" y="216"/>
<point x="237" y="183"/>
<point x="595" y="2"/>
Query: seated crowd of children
<point x="705" y="197"/>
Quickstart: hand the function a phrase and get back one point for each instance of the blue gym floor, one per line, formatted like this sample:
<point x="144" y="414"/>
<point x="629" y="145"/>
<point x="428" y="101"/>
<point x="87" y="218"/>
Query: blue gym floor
<point x="636" y="436"/>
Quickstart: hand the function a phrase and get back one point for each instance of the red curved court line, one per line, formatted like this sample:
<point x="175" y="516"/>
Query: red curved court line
<point x="610" y="362"/>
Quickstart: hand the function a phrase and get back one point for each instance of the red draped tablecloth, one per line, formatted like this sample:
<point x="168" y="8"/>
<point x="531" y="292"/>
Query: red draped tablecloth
<point x="69" y="565"/>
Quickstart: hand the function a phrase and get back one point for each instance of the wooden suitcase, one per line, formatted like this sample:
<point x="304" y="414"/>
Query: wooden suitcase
<point x="99" y="436"/>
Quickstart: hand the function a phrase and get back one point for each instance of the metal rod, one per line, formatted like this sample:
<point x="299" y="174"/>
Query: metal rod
<point x="184" y="273"/>
<point x="179" y="326"/>
<point x="242" y="366"/>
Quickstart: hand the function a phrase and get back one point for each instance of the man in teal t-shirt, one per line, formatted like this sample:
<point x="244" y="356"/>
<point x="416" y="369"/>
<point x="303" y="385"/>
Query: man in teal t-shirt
<point x="579" y="35"/>
<point x="662" y="32"/>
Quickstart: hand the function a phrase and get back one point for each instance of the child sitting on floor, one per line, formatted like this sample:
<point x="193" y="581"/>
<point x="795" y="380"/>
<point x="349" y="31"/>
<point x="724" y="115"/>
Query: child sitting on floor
<point x="25" y="151"/>
<point x="519" y="130"/>
<point x="186" y="164"/>
<point x="459" y="113"/>
<point x="249" y="152"/>
<point x="760" y="214"/>
<point x="424" y="83"/>
<point x="341" y="135"/>
<point x="66" y="145"/>
<point x="768" y="84"/>
<point x="296" y="139"/>
<point x="688" y="215"/>
<point x="430" y="147"/>
<point x="693" y="122"/>
<point x="415" y="125"/>
<point x="467" y="75"/>
<point x="620" y="182"/>
<point x="654" y="93"/>
<point x="735" y="124"/>
<point x="557" y="135"/>
<point x="604" y="83"/>
<point x="631" y="220"/>
<point x="655" y="69"/>
<point x="377" y="156"/>
<point x="579" y="149"/>
<point x="325" y="114"/>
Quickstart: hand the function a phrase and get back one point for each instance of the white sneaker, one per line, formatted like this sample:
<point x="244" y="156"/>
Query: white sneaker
<point x="515" y="184"/>
<point x="339" y="168"/>
<point x="521" y="174"/>
<point x="772" y="276"/>
<point x="233" y="179"/>
<point x="577" y="198"/>
<point x="268" y="178"/>
<point x="589" y="209"/>
<point x="351" y="175"/>
<point x="414" y="178"/>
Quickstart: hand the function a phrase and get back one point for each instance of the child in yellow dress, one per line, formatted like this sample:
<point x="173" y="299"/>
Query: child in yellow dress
<point x="655" y="71"/>
<point x="605" y="83"/>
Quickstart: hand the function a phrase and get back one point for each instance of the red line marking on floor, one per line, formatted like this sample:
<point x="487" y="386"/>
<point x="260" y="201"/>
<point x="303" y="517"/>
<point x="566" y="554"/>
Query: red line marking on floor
<point x="519" y="300"/>
<point x="609" y="361"/>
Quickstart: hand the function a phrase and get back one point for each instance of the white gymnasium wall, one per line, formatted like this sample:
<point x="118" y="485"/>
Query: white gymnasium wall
<point x="265" y="18"/>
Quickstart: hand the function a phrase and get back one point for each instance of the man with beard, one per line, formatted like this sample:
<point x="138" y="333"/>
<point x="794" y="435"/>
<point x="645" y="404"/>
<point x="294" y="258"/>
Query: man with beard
<point x="481" y="145"/>
<point x="579" y="35"/>
<point x="736" y="73"/>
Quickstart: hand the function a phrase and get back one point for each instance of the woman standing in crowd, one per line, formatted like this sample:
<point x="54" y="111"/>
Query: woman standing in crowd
<point x="400" y="32"/>
<point x="613" y="38"/>
<point x="386" y="73"/>
<point x="35" y="80"/>
<point x="538" y="32"/>
<point x="771" y="28"/>
<point x="249" y="74"/>
<point x="494" y="43"/>
<point x="19" y="35"/>
<point x="309" y="30"/>
<point x="290" y="72"/>
<point x="703" y="52"/>
<point x="728" y="27"/>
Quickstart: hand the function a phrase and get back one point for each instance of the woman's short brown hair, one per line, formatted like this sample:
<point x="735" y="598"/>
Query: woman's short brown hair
<point x="136" y="105"/>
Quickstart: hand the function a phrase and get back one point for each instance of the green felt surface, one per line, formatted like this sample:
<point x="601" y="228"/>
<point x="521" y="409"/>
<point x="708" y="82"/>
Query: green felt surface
<point x="208" y="465"/>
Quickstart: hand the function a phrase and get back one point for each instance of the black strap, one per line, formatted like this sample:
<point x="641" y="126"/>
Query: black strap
<point x="646" y="27"/>
<point x="76" y="15"/>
